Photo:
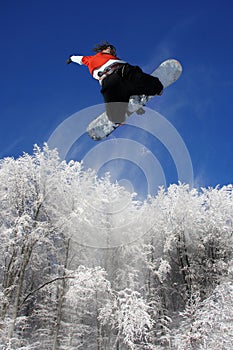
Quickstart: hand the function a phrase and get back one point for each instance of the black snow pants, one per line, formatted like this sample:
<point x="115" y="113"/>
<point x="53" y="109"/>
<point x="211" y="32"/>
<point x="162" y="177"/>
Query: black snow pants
<point x="124" y="82"/>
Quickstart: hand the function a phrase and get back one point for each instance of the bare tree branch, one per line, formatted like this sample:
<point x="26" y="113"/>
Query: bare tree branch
<point x="43" y="285"/>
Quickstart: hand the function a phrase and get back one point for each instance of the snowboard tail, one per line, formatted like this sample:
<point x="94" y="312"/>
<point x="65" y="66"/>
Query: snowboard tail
<point x="167" y="72"/>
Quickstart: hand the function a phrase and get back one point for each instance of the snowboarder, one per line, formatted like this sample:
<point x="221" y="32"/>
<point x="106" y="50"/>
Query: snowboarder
<point x="119" y="79"/>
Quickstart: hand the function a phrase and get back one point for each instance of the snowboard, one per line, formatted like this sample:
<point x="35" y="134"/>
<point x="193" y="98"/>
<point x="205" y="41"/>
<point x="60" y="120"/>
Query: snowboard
<point x="167" y="72"/>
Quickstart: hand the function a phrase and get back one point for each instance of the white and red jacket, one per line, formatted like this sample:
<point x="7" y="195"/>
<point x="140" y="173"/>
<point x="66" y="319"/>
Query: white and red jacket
<point x="97" y="63"/>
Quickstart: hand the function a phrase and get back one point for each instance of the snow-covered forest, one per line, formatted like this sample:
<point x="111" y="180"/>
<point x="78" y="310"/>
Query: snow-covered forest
<point x="84" y="265"/>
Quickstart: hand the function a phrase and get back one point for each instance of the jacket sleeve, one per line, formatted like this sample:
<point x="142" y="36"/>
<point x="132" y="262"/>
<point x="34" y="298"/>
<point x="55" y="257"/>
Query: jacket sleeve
<point x="77" y="59"/>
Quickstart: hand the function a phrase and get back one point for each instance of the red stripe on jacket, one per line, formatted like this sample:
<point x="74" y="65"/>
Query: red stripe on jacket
<point x="98" y="60"/>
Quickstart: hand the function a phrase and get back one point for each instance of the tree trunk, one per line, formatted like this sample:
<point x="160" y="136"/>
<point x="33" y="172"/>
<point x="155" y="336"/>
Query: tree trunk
<point x="26" y="257"/>
<point x="60" y="302"/>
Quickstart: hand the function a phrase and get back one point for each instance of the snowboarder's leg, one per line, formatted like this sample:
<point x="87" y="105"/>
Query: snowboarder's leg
<point x="116" y="111"/>
<point x="116" y="98"/>
<point x="140" y="83"/>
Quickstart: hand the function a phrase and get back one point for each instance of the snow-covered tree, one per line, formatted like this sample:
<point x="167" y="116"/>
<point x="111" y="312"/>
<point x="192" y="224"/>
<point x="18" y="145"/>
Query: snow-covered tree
<point x="128" y="314"/>
<point x="88" y="291"/>
<point x="208" y="324"/>
<point x="24" y="230"/>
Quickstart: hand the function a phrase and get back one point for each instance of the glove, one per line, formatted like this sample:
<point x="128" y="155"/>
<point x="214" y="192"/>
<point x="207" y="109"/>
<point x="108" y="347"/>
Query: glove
<point x="69" y="60"/>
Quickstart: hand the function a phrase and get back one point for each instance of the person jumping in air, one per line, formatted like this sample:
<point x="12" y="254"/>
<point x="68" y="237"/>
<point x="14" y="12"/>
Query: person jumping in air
<point x="119" y="80"/>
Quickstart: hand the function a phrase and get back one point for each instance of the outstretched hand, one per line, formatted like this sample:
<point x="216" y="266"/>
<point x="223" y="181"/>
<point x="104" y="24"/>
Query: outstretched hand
<point x="69" y="60"/>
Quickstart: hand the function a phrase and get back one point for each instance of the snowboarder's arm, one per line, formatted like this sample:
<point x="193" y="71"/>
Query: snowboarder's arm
<point x="75" y="59"/>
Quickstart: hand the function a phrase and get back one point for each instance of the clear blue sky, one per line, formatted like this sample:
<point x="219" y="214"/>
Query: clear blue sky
<point x="39" y="91"/>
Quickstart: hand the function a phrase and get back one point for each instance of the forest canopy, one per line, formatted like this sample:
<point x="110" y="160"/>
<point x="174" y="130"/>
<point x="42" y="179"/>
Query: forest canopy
<point x="84" y="265"/>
